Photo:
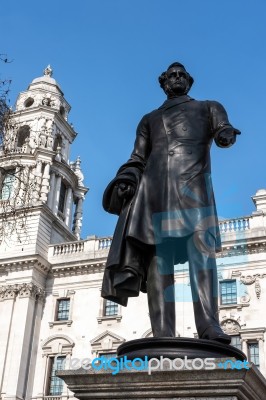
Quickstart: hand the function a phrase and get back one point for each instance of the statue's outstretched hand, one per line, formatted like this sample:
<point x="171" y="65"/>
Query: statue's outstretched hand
<point x="227" y="137"/>
<point x="125" y="190"/>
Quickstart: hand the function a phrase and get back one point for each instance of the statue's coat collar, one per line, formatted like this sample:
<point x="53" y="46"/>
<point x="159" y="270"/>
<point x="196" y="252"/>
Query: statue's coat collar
<point x="175" y="101"/>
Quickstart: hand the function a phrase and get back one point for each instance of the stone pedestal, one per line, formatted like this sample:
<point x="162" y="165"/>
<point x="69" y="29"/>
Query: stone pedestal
<point x="216" y="384"/>
<point x="181" y="347"/>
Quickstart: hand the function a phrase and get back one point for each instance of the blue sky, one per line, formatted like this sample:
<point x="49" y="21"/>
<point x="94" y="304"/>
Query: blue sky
<point x="107" y="55"/>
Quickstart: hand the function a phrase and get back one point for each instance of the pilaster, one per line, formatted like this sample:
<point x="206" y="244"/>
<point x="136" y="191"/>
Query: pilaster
<point x="19" y="342"/>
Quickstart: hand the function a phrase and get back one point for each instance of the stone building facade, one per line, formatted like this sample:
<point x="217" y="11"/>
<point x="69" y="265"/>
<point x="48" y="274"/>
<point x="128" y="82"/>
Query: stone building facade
<point x="50" y="304"/>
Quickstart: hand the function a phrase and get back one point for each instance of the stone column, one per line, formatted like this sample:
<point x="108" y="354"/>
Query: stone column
<point x="78" y="218"/>
<point x="56" y="194"/>
<point x="51" y="191"/>
<point x="244" y="346"/>
<point x="69" y="206"/>
<point x="45" y="183"/>
<point x="38" y="181"/>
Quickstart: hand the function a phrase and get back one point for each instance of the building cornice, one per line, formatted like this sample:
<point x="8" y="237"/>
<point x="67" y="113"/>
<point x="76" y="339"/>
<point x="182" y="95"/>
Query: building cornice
<point x="84" y="268"/>
<point x="254" y="247"/>
<point x="21" y="263"/>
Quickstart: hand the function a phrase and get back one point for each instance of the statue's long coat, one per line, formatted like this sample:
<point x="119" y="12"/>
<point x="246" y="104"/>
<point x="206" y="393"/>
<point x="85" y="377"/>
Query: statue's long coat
<point x="174" y="195"/>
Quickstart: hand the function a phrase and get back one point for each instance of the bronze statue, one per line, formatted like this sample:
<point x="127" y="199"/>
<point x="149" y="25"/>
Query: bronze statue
<point x="167" y="215"/>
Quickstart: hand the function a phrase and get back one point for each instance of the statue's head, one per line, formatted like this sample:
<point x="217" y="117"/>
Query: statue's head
<point x="175" y="81"/>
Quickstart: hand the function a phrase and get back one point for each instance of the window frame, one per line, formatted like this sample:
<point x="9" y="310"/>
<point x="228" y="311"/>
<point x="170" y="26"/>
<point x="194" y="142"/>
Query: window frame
<point x="226" y="295"/>
<point x="238" y="345"/>
<point x="109" y="304"/>
<point x="102" y="312"/>
<point x="249" y="344"/>
<point x="51" y="361"/>
<point x="62" y="198"/>
<point x="57" y="309"/>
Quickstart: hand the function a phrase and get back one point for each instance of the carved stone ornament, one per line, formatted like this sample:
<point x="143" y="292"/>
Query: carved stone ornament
<point x="230" y="326"/>
<point x="21" y="290"/>
<point x="250" y="279"/>
<point x="257" y="288"/>
<point x="8" y="292"/>
<point x="48" y="71"/>
<point x="245" y="299"/>
<point x="78" y="172"/>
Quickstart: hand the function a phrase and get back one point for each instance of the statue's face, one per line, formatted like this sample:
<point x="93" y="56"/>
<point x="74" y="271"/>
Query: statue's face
<point x="177" y="82"/>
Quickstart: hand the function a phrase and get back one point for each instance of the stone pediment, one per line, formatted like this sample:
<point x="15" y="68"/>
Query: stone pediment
<point x="106" y="342"/>
<point x="58" y="344"/>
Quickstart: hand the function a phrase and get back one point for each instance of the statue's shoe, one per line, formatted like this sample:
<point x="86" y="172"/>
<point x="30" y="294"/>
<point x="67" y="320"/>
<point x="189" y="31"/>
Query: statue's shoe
<point x="216" y="333"/>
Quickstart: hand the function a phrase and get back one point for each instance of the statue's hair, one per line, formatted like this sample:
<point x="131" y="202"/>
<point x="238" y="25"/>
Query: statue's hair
<point x="163" y="77"/>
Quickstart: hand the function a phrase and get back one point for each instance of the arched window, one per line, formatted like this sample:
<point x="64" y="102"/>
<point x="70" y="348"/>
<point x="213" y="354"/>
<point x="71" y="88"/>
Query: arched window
<point x="22" y="135"/>
<point x="62" y="111"/>
<point x="55" y="361"/>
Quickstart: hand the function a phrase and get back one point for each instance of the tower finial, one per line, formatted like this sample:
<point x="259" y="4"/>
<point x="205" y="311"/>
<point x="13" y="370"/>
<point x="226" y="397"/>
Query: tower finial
<point x="48" y="71"/>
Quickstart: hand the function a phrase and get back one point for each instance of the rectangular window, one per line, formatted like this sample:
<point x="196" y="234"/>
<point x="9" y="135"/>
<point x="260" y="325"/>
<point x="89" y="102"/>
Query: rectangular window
<point x="236" y="342"/>
<point x="7" y="187"/>
<point x="62" y="310"/>
<point x="55" y="384"/>
<point x="228" y="292"/>
<point x="253" y="353"/>
<point x="110" y="308"/>
<point x="62" y="196"/>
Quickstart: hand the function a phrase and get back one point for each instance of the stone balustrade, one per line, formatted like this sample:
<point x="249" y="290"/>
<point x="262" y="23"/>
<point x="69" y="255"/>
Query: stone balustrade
<point x="242" y="228"/>
<point x="68" y="248"/>
<point x="93" y="247"/>
<point x="234" y="224"/>
<point x="105" y="243"/>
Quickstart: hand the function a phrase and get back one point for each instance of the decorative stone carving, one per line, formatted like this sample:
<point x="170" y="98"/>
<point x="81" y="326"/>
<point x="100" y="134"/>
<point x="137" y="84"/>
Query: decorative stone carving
<point x="245" y="299"/>
<point x="250" y="279"/>
<point x="31" y="290"/>
<point x="58" y="156"/>
<point x="22" y="290"/>
<point x="257" y="288"/>
<point x="8" y="292"/>
<point x="230" y="326"/>
<point x="78" y="172"/>
<point x="48" y="71"/>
